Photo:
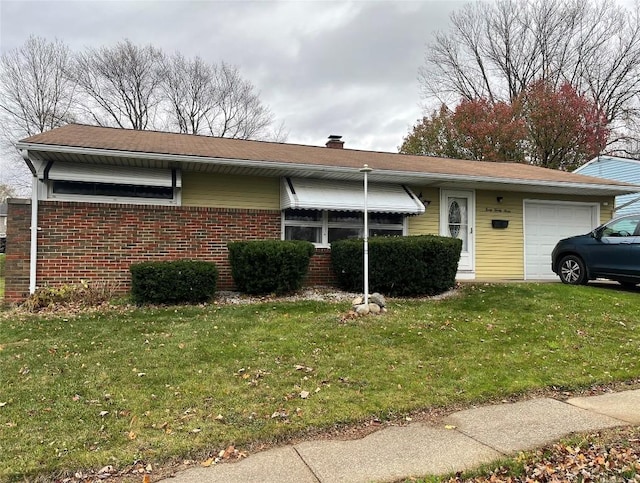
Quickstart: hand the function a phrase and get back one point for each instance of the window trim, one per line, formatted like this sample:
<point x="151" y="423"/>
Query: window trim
<point x="325" y="225"/>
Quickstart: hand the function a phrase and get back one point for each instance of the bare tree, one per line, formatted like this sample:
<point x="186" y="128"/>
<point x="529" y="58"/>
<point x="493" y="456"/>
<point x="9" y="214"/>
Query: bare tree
<point x="214" y="100"/>
<point x="239" y="112"/>
<point x="188" y="86"/>
<point x="497" y="49"/>
<point x="6" y="191"/>
<point x="35" y="94"/>
<point x="121" y="84"/>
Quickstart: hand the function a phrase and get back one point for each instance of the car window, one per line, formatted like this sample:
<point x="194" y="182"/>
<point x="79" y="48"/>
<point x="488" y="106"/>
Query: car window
<point x="621" y="227"/>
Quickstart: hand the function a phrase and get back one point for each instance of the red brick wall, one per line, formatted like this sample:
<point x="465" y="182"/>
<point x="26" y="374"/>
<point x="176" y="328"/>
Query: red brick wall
<point x="320" y="272"/>
<point x="94" y="241"/>
<point x="16" y="268"/>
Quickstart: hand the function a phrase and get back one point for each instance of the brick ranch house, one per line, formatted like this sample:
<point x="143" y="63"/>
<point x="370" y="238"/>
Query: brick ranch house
<point x="104" y="198"/>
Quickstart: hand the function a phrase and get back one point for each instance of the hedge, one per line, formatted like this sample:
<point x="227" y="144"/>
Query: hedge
<point x="400" y="266"/>
<point x="269" y="266"/>
<point x="173" y="282"/>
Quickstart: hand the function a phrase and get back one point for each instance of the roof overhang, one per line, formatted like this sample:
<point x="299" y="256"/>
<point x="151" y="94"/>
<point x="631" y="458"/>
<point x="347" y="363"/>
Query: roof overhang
<point x="33" y="151"/>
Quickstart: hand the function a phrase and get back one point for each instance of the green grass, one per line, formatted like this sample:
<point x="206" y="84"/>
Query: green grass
<point x="154" y="384"/>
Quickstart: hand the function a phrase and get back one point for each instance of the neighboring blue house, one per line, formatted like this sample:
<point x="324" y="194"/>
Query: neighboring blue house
<point x="617" y="169"/>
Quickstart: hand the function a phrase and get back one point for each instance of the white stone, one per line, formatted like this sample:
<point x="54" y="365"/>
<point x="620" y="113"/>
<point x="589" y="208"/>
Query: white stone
<point x="374" y="308"/>
<point x="362" y="309"/>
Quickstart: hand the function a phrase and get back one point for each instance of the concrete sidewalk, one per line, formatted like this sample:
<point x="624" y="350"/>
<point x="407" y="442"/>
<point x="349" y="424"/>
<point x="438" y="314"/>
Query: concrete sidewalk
<point x="461" y="441"/>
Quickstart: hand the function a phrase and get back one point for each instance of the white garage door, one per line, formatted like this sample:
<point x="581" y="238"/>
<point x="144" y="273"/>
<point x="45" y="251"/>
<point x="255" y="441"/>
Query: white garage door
<point x="545" y="224"/>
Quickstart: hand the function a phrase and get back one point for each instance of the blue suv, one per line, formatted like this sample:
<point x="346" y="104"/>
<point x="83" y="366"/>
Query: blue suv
<point x="610" y="251"/>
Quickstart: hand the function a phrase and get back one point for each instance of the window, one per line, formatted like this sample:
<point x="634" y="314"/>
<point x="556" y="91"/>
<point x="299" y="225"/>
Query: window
<point x="303" y="225"/>
<point x="622" y="227"/>
<point x="111" y="190"/>
<point x="323" y="227"/>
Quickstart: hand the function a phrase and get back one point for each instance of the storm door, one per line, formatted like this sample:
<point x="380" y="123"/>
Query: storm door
<point x="457" y="221"/>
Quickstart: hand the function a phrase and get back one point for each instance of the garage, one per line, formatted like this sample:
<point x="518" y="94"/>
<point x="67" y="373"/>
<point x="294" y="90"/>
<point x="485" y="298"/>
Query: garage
<point x="547" y="222"/>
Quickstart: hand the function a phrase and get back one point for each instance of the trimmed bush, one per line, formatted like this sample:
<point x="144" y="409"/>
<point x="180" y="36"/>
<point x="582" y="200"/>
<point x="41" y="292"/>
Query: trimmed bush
<point x="173" y="282"/>
<point x="269" y="266"/>
<point x="401" y="266"/>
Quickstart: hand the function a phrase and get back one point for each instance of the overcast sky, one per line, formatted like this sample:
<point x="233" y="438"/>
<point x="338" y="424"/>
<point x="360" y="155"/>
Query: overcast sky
<point x="347" y="68"/>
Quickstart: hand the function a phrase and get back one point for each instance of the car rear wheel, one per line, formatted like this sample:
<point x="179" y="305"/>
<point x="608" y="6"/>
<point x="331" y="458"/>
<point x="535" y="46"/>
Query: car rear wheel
<point x="572" y="270"/>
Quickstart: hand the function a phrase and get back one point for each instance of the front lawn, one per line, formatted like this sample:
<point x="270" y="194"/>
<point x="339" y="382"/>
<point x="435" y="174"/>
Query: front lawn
<point x="110" y="388"/>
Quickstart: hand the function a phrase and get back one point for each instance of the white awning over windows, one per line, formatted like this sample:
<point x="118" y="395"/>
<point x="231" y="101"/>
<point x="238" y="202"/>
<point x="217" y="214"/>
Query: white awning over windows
<point x="326" y="194"/>
<point x="100" y="173"/>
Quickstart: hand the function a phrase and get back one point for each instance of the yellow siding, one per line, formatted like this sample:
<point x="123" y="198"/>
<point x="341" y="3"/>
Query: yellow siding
<point x="230" y="191"/>
<point x="499" y="252"/>
<point x="428" y="223"/>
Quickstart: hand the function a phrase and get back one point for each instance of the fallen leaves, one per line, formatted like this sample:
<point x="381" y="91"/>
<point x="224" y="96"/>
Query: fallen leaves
<point x="592" y="461"/>
<point x="230" y="453"/>
<point x="299" y="367"/>
<point x="252" y="379"/>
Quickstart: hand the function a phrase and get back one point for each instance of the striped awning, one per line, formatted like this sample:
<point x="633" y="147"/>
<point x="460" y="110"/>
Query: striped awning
<point x="324" y="194"/>
<point x="102" y="173"/>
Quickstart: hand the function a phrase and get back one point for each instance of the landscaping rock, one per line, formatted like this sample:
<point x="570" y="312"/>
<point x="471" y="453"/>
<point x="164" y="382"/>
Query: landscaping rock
<point x="361" y="309"/>
<point x="357" y="301"/>
<point x="378" y="299"/>
<point x="374" y="308"/>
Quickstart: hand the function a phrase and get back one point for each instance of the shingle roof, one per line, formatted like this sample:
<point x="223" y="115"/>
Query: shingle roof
<point x="172" y="144"/>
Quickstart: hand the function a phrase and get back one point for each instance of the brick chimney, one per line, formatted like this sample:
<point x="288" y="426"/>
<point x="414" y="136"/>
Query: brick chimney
<point x="335" y="142"/>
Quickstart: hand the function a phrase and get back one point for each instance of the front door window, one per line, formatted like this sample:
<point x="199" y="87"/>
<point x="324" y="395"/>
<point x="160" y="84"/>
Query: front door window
<point x="458" y="220"/>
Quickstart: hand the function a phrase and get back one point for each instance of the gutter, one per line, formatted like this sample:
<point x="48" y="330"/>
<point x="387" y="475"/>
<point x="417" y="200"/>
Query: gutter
<point x="379" y="174"/>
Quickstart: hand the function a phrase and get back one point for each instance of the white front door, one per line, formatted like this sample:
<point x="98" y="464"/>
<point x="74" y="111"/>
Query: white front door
<point x="456" y="220"/>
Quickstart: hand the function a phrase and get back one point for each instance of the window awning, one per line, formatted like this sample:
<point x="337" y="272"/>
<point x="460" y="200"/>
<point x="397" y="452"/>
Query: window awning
<point x="326" y="194"/>
<point x="100" y="173"/>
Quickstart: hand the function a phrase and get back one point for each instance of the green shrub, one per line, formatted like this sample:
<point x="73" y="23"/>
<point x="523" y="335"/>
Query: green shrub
<point x="173" y="282"/>
<point x="269" y="266"/>
<point x="413" y="265"/>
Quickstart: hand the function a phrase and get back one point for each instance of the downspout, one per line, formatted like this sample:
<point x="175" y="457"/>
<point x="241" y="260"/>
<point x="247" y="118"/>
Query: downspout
<point x="33" y="256"/>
